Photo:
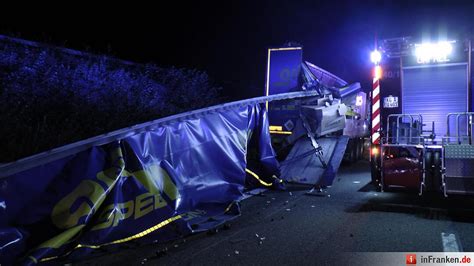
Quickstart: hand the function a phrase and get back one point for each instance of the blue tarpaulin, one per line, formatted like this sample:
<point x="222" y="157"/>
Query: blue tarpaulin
<point x="156" y="185"/>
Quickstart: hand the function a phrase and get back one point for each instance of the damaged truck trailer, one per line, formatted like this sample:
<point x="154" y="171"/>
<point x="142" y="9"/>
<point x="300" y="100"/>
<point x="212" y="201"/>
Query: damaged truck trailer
<point x="182" y="174"/>
<point x="313" y="135"/>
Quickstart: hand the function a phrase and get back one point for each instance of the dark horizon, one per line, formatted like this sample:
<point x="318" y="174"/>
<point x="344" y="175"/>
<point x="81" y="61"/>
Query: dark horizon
<point x="229" y="40"/>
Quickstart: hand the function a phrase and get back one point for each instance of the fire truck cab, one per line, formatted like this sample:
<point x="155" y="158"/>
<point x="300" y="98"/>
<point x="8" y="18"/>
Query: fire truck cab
<point x="422" y="137"/>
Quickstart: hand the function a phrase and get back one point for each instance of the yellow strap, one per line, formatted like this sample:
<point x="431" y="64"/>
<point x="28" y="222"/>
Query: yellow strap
<point x="139" y="235"/>
<point x="276" y="128"/>
<point x="258" y="178"/>
<point x="228" y="207"/>
<point x="33" y="259"/>
<point x="281" y="132"/>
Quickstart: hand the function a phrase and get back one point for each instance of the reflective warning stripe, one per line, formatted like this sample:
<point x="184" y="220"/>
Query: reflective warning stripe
<point x="375" y="137"/>
<point x="376" y="88"/>
<point x="376" y="121"/>
<point x="376" y="106"/>
<point x="375" y="111"/>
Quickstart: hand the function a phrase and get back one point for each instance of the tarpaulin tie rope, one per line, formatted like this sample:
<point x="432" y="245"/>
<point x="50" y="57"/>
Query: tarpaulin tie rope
<point x="139" y="235"/>
<point x="258" y="178"/>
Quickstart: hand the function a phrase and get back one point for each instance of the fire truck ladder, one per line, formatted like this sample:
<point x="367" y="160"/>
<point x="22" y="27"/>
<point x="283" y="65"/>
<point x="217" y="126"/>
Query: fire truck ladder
<point x="458" y="155"/>
<point x="405" y="135"/>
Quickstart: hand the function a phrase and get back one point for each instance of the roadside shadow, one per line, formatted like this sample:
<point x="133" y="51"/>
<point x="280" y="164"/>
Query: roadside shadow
<point x="369" y="187"/>
<point x="432" y="206"/>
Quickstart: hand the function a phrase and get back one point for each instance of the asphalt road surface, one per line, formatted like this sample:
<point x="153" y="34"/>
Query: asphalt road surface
<point x="290" y="227"/>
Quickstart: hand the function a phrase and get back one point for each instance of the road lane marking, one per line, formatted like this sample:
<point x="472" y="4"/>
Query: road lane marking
<point x="450" y="244"/>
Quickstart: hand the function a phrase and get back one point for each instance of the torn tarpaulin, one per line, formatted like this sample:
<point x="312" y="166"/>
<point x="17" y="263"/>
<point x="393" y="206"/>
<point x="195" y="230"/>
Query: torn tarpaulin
<point x="159" y="184"/>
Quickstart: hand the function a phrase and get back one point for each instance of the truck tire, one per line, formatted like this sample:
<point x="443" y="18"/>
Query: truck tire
<point x="429" y="184"/>
<point x="353" y="152"/>
<point x="437" y="171"/>
<point x="361" y="143"/>
<point x="358" y="147"/>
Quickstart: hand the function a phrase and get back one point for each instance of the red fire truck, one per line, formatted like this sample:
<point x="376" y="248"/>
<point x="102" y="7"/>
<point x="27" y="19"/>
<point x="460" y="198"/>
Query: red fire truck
<point x="422" y="116"/>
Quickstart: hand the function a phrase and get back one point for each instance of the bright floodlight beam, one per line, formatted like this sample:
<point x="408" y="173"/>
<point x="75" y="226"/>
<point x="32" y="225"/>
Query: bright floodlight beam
<point x="437" y="52"/>
<point x="375" y="57"/>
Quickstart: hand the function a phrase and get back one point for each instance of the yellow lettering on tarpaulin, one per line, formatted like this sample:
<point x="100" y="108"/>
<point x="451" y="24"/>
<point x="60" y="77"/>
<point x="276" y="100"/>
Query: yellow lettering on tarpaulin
<point x="126" y="209"/>
<point x="156" y="180"/>
<point x="112" y="215"/>
<point x="62" y="216"/>
<point x="95" y="193"/>
<point x="110" y="175"/>
<point x="106" y="218"/>
<point x="143" y="205"/>
<point x="92" y="195"/>
<point x="153" y="178"/>
<point x="159" y="202"/>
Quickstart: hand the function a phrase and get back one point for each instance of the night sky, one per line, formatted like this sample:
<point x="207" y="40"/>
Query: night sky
<point x="228" y="39"/>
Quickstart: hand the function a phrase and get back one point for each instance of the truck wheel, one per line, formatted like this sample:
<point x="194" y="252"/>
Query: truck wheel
<point x="358" y="147"/>
<point x="437" y="171"/>
<point x="429" y="184"/>
<point x="354" y="152"/>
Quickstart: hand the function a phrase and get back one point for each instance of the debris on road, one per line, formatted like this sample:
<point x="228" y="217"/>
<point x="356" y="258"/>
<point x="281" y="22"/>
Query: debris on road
<point x="234" y="241"/>
<point x="213" y="231"/>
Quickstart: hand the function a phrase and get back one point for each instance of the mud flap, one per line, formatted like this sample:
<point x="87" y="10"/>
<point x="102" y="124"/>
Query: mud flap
<point x="303" y="166"/>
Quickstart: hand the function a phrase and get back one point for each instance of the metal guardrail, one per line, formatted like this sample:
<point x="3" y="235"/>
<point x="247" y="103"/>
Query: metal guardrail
<point x="418" y="130"/>
<point x="458" y="155"/>
<point x="415" y="127"/>
<point x="460" y="136"/>
<point x="23" y="164"/>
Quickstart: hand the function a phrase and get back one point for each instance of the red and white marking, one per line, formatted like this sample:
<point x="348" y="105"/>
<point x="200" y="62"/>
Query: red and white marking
<point x="376" y="111"/>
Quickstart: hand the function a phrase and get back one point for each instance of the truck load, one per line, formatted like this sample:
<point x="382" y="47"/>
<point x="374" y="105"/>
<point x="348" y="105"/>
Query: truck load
<point x="174" y="176"/>
<point x="312" y="136"/>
